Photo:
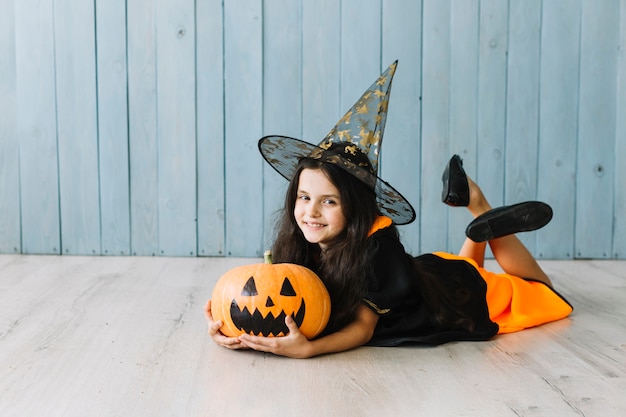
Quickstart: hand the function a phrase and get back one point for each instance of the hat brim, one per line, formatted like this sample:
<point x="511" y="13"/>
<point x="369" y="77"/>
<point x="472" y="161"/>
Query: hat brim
<point x="283" y="154"/>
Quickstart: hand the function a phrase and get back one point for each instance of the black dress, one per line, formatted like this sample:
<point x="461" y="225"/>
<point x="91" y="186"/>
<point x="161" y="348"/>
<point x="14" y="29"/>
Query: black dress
<point x="457" y="307"/>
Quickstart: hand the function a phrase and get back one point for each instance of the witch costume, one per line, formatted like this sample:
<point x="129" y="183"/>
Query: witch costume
<point x="469" y="302"/>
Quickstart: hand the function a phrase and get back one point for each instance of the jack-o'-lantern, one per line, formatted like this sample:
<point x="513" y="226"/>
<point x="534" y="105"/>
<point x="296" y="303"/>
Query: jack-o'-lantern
<point x="256" y="299"/>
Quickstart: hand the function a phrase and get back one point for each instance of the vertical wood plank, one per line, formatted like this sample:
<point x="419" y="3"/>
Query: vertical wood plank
<point x="74" y="32"/>
<point x="110" y="158"/>
<point x="176" y="127"/>
<point x="619" y="231"/>
<point x="435" y="120"/>
<point x="522" y="104"/>
<point x="596" y="138"/>
<point x="10" y="238"/>
<point x="282" y="96"/>
<point x="142" y="126"/>
<point x="210" y="126"/>
<point x="113" y="127"/>
<point x="558" y="127"/>
<point x="243" y="101"/>
<point x="37" y="127"/>
<point x="360" y="49"/>
<point x="492" y="50"/>
<point x="464" y="64"/>
<point x="320" y="68"/>
<point x="400" y="159"/>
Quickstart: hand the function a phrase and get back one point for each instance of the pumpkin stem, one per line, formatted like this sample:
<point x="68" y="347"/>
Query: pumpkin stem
<point x="267" y="256"/>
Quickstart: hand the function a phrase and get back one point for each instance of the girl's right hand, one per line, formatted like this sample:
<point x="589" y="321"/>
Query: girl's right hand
<point x="217" y="336"/>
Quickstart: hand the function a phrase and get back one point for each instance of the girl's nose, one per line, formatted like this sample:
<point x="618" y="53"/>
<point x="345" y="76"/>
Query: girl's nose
<point x="313" y="210"/>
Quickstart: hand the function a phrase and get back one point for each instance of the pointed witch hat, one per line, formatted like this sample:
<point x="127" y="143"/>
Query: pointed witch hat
<point x="358" y="133"/>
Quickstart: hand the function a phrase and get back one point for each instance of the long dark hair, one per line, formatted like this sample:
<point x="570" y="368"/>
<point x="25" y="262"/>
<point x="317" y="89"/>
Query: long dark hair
<point x="344" y="266"/>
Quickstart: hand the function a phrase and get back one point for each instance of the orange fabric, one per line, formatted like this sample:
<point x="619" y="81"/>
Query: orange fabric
<point x="380" y="223"/>
<point x="515" y="303"/>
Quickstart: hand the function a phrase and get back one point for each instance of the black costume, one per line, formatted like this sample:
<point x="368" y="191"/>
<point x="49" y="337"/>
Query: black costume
<point x="456" y="289"/>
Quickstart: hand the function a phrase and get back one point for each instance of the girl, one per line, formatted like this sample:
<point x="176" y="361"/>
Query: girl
<point x="339" y="220"/>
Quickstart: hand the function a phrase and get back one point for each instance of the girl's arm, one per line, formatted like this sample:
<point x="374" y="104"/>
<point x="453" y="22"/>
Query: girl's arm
<point x="295" y="345"/>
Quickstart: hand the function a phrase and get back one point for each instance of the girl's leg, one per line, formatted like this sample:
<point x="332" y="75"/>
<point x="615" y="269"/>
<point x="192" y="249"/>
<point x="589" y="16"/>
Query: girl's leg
<point x="474" y="250"/>
<point x="510" y="253"/>
<point x="478" y="205"/>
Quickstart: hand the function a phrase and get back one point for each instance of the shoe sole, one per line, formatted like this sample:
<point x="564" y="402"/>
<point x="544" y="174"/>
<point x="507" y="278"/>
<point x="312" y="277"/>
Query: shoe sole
<point x="452" y="175"/>
<point x="508" y="220"/>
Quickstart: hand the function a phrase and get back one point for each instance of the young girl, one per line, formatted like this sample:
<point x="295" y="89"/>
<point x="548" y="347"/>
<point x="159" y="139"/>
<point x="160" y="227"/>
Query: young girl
<point x="339" y="220"/>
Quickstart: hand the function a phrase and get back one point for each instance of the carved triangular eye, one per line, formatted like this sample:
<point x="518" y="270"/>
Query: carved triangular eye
<point x="250" y="288"/>
<point x="287" y="289"/>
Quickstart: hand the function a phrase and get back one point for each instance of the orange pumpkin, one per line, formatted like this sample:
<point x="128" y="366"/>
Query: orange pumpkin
<point x="255" y="299"/>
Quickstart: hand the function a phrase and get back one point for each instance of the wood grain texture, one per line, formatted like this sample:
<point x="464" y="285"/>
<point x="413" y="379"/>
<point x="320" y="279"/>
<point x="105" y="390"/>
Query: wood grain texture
<point x="360" y="50"/>
<point x="282" y="98"/>
<point x="321" y="107"/>
<point x="37" y="127"/>
<point x="522" y="115"/>
<point x="436" y="97"/>
<point x="619" y="244"/>
<point x="142" y="127"/>
<point x="243" y="118"/>
<point x="11" y="241"/>
<point x="560" y="54"/>
<point x="464" y="70"/>
<point x="113" y="149"/>
<point x="210" y="127"/>
<point x="77" y="126"/>
<point x="492" y="50"/>
<point x="108" y="336"/>
<point x="130" y="127"/>
<point x="596" y="133"/>
<point x="400" y="165"/>
<point x="176" y="127"/>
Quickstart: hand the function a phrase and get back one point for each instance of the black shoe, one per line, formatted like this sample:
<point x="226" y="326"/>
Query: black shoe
<point x="508" y="220"/>
<point x="455" y="187"/>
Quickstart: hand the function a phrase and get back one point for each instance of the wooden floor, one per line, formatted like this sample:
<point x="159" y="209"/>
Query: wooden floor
<point x="104" y="336"/>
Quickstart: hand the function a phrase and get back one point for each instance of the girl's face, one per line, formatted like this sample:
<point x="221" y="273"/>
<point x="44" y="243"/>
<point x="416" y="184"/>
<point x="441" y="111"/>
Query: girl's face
<point x="318" y="210"/>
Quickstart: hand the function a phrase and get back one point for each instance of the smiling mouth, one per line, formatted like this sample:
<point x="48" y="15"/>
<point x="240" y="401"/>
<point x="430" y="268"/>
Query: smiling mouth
<point x="314" y="225"/>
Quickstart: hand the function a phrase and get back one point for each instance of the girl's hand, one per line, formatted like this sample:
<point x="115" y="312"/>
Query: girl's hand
<point x="216" y="335"/>
<point x="293" y="345"/>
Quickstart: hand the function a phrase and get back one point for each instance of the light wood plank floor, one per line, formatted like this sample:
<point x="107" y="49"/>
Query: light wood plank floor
<point x="102" y="336"/>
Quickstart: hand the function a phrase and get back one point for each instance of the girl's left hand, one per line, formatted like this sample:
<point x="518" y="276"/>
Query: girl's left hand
<point x="293" y="345"/>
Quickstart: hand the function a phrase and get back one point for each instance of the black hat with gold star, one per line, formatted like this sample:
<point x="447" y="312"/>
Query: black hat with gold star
<point x="353" y="144"/>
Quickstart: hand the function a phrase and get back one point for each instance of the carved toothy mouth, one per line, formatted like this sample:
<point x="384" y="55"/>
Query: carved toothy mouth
<point x="258" y="325"/>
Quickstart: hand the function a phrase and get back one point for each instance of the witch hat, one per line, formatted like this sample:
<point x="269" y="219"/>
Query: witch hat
<point x="359" y="132"/>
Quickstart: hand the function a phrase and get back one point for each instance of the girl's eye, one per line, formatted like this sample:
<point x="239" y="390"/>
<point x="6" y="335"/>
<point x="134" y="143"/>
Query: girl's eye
<point x="303" y="197"/>
<point x="329" y="201"/>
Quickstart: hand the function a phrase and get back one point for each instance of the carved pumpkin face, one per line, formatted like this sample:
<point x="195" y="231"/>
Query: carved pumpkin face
<point x="255" y="299"/>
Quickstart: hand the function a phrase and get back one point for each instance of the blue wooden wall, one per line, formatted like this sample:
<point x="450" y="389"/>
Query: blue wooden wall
<point x="129" y="127"/>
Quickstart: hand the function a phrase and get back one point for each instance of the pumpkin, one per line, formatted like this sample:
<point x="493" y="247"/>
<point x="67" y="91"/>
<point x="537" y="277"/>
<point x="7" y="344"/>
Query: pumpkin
<point x="256" y="299"/>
